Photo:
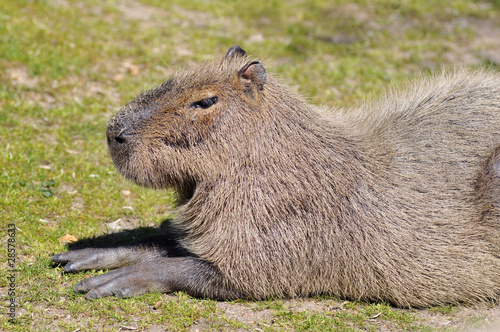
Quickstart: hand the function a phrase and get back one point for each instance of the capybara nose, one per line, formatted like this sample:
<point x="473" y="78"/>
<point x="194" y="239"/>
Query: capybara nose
<point x="121" y="137"/>
<point x="117" y="133"/>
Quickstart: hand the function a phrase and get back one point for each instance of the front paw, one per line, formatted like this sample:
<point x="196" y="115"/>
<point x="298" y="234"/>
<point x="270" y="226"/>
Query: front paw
<point x="126" y="282"/>
<point x="101" y="258"/>
<point x="79" y="260"/>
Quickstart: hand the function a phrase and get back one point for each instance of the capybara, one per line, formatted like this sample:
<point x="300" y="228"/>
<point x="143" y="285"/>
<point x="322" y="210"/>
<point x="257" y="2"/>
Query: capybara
<point x="395" y="200"/>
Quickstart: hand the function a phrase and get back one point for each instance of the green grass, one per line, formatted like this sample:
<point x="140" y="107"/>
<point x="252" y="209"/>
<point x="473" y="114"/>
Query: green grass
<point x="356" y="317"/>
<point x="66" y="66"/>
<point x="445" y="309"/>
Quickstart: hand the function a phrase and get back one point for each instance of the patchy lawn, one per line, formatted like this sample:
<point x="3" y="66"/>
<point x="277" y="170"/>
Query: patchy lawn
<point x="66" y="66"/>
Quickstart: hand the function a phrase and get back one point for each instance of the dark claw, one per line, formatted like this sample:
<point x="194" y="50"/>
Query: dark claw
<point x="79" y="288"/>
<point x="121" y="294"/>
<point x="57" y="259"/>
<point x="70" y="267"/>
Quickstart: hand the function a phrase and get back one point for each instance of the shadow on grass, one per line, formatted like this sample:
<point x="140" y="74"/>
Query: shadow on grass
<point x="164" y="236"/>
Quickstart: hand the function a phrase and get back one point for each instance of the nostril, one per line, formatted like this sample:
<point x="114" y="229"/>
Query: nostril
<point x="120" y="140"/>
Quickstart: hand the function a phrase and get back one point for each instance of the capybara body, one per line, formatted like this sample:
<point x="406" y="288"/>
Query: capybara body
<point x="396" y="200"/>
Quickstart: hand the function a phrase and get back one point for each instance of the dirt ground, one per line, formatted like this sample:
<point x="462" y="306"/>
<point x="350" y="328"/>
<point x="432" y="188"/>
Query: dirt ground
<point x="482" y="316"/>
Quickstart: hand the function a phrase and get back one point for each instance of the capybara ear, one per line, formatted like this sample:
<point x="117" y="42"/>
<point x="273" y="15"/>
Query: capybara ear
<point x="253" y="73"/>
<point x="236" y="51"/>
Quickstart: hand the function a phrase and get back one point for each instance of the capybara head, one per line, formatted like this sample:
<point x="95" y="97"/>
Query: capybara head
<point x="157" y="139"/>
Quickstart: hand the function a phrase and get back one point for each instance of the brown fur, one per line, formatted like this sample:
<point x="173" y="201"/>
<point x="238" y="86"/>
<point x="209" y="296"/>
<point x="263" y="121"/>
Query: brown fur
<point x="396" y="200"/>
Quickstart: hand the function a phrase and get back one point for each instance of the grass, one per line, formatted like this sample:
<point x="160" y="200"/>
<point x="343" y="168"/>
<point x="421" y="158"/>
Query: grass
<point x="66" y="66"/>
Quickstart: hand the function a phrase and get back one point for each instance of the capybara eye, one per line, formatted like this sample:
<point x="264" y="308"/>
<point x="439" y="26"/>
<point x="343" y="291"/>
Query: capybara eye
<point x="205" y="103"/>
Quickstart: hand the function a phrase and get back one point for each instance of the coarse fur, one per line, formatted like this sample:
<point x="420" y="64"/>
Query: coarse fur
<point x="396" y="200"/>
